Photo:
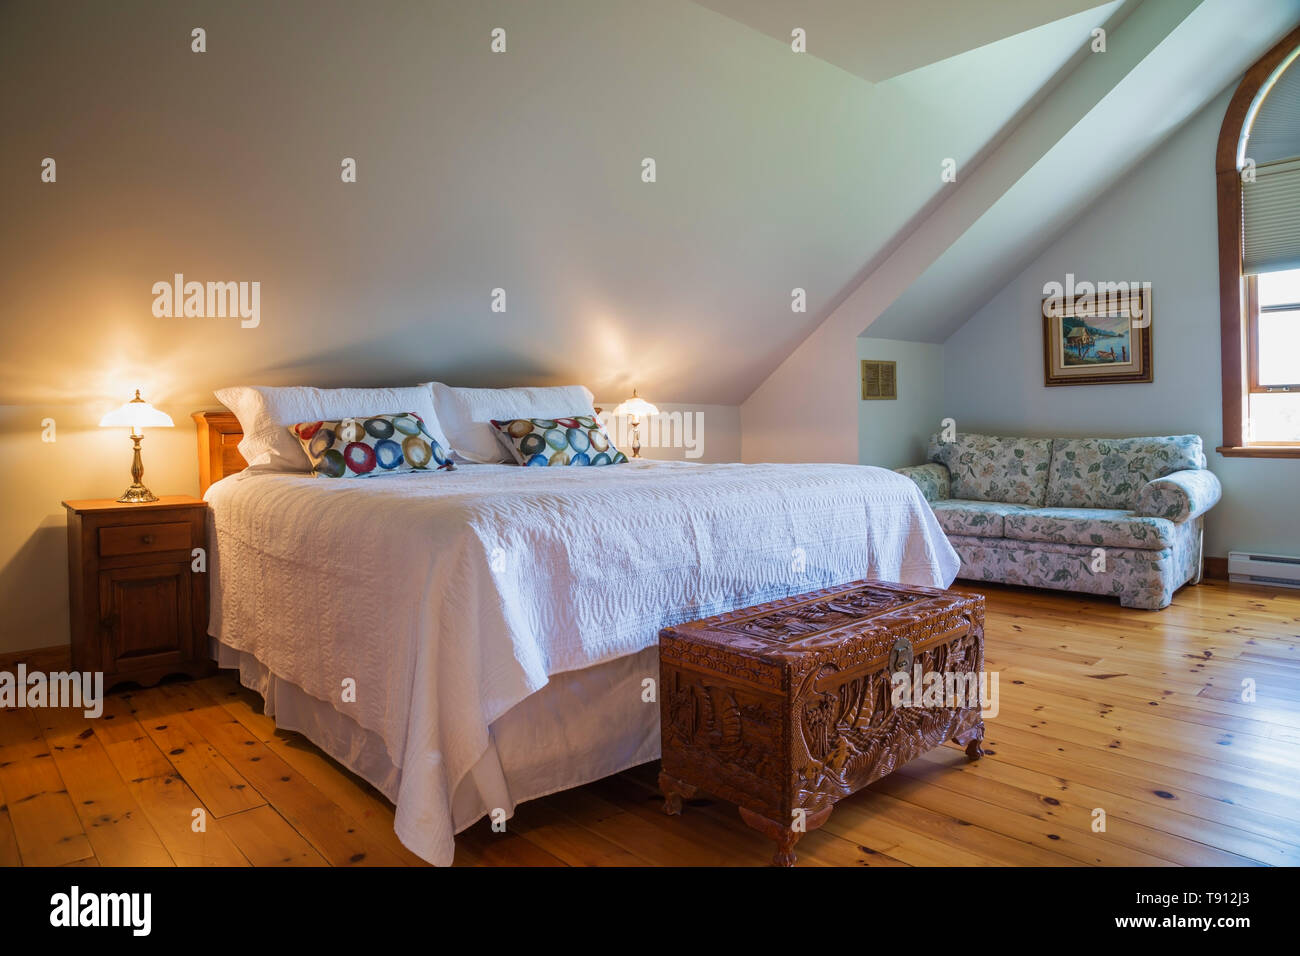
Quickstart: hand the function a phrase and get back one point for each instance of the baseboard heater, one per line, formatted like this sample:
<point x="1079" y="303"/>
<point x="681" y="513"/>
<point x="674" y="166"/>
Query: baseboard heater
<point x="1276" y="569"/>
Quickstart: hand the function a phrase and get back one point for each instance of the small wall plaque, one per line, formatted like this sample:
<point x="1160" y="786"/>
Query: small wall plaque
<point x="879" y="379"/>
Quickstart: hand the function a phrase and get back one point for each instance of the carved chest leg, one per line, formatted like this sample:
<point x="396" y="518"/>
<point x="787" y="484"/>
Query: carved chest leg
<point x="674" y="792"/>
<point x="972" y="740"/>
<point x="786" y="835"/>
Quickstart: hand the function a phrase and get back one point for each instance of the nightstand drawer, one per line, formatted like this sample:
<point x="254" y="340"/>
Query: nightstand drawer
<point x="144" y="538"/>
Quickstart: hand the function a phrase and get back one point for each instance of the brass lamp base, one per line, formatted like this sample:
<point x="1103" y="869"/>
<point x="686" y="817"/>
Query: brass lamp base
<point x="137" y="494"/>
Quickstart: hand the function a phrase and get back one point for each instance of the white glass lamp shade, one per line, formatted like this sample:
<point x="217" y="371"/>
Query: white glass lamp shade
<point x="636" y="407"/>
<point x="136" y="414"/>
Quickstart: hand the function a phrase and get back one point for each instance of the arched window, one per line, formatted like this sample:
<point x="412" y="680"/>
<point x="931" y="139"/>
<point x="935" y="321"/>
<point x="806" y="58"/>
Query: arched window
<point x="1257" y="168"/>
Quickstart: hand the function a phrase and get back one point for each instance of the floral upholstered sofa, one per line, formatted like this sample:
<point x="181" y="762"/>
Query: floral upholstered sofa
<point x="1116" y="516"/>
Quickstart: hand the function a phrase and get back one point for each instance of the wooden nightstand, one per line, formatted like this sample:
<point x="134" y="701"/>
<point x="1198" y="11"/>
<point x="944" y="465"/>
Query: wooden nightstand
<point x="139" y="610"/>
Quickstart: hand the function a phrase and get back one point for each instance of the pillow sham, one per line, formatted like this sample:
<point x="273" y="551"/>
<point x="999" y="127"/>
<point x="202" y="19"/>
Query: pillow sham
<point x="467" y="413"/>
<point x="266" y="414"/>
<point x="575" y="440"/>
<point x="377" y="445"/>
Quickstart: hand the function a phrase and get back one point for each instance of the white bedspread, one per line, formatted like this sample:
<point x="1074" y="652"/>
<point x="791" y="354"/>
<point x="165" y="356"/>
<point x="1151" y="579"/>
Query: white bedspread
<point x="449" y="598"/>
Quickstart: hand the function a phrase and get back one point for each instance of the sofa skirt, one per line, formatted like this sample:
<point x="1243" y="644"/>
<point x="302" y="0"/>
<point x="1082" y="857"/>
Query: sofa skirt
<point x="1140" y="578"/>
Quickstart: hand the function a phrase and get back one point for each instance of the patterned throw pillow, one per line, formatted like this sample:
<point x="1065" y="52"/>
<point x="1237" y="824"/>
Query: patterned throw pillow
<point x="377" y="445"/>
<point x="579" y="440"/>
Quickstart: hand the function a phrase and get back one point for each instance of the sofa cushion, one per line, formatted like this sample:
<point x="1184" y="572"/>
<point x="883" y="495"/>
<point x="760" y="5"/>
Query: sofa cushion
<point x="983" y="519"/>
<point x="1110" y="472"/>
<point x="1090" y="527"/>
<point x="988" y="468"/>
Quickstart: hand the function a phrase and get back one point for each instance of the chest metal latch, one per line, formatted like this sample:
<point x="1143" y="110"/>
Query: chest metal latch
<point x="900" y="657"/>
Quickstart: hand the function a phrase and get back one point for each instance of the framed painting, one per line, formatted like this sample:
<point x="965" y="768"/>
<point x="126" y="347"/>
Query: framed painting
<point x="1101" y="338"/>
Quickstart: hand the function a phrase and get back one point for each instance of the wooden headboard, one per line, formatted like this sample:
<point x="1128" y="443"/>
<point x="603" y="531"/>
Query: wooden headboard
<point x="219" y="438"/>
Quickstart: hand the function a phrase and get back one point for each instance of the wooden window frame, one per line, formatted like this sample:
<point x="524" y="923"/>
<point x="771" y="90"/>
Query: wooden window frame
<point x="1253" y="310"/>
<point x="1250" y="292"/>
<point x="1238" y="299"/>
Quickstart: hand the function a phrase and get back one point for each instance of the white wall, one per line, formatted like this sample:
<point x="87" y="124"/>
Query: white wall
<point x="476" y="170"/>
<point x="893" y="433"/>
<point x="701" y="433"/>
<point x="1158" y="225"/>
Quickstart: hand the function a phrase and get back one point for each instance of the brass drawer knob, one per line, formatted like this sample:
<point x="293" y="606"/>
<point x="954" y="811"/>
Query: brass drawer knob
<point x="147" y="539"/>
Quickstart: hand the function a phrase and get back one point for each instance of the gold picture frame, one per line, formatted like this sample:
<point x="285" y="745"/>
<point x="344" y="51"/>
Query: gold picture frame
<point x="1101" y="338"/>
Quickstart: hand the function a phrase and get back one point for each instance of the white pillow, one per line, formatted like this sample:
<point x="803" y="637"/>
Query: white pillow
<point x="466" y="414"/>
<point x="265" y="414"/>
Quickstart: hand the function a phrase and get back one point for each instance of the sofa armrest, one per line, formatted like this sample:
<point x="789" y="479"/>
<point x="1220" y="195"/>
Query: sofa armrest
<point x="1181" y="496"/>
<point x="932" y="478"/>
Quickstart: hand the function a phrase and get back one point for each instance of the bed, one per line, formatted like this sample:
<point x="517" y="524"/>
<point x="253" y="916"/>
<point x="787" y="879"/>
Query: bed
<point x="470" y="640"/>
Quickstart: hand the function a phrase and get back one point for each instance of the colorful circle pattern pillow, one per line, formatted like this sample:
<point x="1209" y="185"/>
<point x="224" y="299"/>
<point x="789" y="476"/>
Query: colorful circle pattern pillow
<point x="561" y="441"/>
<point x="364" y="447"/>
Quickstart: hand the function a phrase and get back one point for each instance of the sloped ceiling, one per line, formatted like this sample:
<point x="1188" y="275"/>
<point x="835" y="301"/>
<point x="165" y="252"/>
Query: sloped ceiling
<point x="877" y="39"/>
<point x="1209" y="50"/>
<point x="1164" y="59"/>
<point x="476" y="171"/>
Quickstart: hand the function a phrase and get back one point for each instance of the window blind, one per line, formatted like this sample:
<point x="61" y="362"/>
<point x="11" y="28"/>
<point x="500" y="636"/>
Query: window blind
<point x="1271" y="218"/>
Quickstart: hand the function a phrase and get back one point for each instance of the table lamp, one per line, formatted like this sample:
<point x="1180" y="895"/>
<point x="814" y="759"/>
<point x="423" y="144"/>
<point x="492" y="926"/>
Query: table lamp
<point x="634" y="408"/>
<point x="136" y="414"/>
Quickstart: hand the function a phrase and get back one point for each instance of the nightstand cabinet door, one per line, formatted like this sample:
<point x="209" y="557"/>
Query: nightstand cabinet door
<point x="139" y="606"/>
<point x="147" y="617"/>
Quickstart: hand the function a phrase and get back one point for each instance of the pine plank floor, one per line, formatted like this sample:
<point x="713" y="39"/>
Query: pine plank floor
<point x="1136" y="714"/>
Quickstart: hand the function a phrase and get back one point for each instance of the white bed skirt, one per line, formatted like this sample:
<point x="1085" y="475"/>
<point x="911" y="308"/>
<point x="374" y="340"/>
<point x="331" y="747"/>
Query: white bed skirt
<point x="583" y="725"/>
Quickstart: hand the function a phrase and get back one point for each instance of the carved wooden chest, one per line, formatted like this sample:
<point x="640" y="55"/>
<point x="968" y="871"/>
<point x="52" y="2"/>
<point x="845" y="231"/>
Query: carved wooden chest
<point x="787" y="707"/>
